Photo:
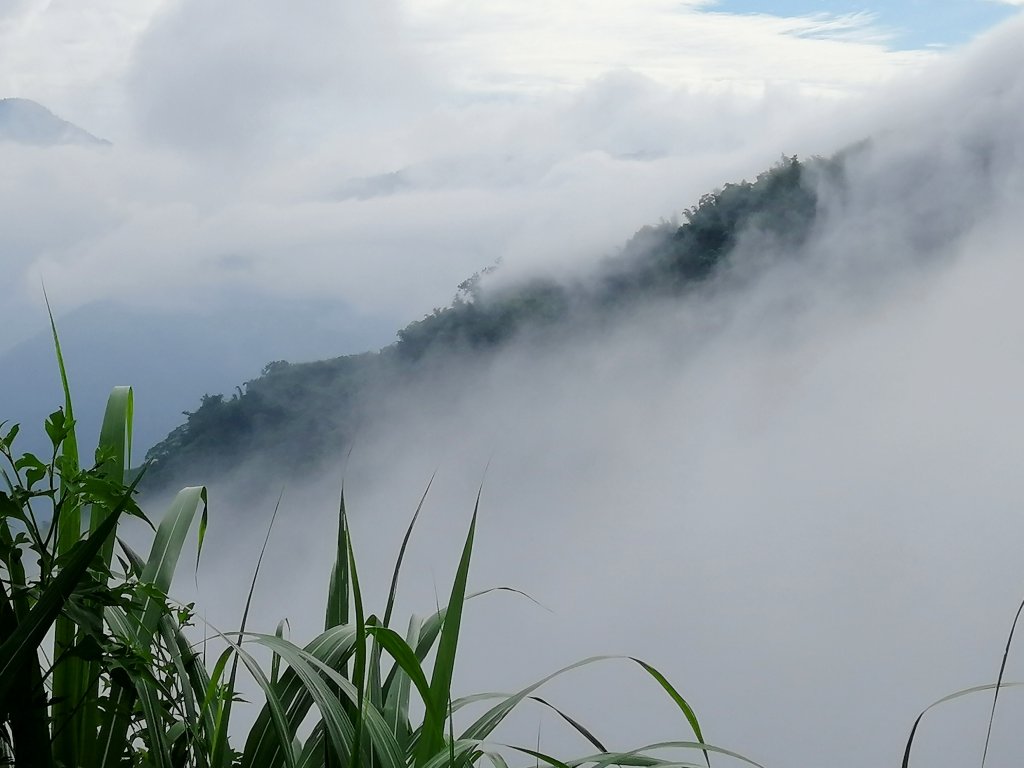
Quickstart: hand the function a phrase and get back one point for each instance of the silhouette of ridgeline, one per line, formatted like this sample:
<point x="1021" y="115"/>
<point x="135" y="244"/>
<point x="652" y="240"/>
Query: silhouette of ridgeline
<point x="294" y="414"/>
<point x="26" y="122"/>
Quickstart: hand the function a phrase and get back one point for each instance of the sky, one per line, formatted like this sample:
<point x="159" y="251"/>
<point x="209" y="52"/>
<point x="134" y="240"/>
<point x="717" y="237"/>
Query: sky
<point x="368" y="157"/>
<point x="237" y="124"/>
<point x="905" y="24"/>
<point x="801" y="500"/>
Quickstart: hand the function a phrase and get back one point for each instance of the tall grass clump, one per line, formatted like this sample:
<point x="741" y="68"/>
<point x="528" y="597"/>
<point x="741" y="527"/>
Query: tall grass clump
<point x="100" y="667"/>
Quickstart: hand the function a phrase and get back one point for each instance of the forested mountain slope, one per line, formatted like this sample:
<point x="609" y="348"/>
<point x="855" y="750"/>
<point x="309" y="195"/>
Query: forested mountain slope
<point x="292" y="414"/>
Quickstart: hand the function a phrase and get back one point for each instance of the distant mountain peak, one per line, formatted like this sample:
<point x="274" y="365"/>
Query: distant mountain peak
<point x="24" y="121"/>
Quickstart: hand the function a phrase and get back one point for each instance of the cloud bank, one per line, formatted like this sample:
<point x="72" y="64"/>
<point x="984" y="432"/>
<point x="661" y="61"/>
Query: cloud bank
<point x="234" y="164"/>
<point x="797" y="493"/>
<point x="799" y="500"/>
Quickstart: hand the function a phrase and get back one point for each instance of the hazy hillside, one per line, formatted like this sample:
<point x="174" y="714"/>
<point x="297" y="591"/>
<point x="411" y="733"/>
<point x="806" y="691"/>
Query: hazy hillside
<point x="292" y="415"/>
<point x="27" y="122"/>
<point x="106" y="343"/>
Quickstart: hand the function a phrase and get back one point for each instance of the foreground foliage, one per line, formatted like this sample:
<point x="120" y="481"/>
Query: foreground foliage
<point x="98" y="665"/>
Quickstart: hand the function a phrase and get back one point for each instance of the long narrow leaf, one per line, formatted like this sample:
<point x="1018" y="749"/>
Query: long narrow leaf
<point x="338" y="592"/>
<point x="274" y="704"/>
<point x="432" y="735"/>
<point x="114" y="449"/>
<point x="396" y="701"/>
<point x="490" y="720"/>
<point x="158" y="573"/>
<point x="221" y="745"/>
<point x="684" y="707"/>
<point x="943" y="700"/>
<point x="262" y="747"/>
<point x="401" y="554"/>
<point x="381" y="740"/>
<point x="406" y="659"/>
<point x="69" y="679"/>
<point x="999" y="681"/>
<point x="359" y="669"/>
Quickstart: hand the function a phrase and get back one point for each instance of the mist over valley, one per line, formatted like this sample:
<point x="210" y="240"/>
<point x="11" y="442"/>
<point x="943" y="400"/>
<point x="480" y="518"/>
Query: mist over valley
<point x="736" y="373"/>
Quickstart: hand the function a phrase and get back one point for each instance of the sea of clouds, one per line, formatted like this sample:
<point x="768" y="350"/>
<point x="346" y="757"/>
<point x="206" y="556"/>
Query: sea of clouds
<point x="798" y="494"/>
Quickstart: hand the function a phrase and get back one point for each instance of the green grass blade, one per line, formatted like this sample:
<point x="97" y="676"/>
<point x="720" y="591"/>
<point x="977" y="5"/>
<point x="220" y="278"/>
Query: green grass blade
<point x="333" y="647"/>
<point x="620" y="758"/>
<point x="195" y="680"/>
<point x="213" y="701"/>
<point x="359" y="669"/>
<point x="376" y="691"/>
<point x="943" y="700"/>
<point x="71" y="442"/>
<point x="401" y="555"/>
<point x="462" y="753"/>
<point x="275" y="660"/>
<point x="406" y="659"/>
<point x="221" y="745"/>
<point x="432" y="735"/>
<point x="180" y="657"/>
<point x="149" y="701"/>
<point x="684" y="707"/>
<point x="114" y="449"/>
<point x="431" y="628"/>
<point x="144" y="693"/>
<point x="552" y="761"/>
<point x="170" y="538"/>
<point x="496" y="760"/>
<point x="313" y="750"/>
<point x="374" y="688"/>
<point x="337" y="725"/>
<point x="999" y="680"/>
<point x="274" y="704"/>
<point x="69" y="682"/>
<point x="576" y="725"/>
<point x="115" y="444"/>
<point x="490" y="720"/>
<point x="158" y="572"/>
<point x="338" y="593"/>
<point x="306" y="664"/>
<point x="396" y="695"/>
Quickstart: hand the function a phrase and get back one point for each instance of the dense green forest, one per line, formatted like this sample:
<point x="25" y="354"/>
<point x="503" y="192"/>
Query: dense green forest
<point x="293" y="413"/>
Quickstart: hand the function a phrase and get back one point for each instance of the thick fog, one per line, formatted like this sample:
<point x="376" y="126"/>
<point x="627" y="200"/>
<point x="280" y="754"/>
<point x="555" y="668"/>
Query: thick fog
<point x="798" y="492"/>
<point x="377" y="154"/>
<point x="329" y="172"/>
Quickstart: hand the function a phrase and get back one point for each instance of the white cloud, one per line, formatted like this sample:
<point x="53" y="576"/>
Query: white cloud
<point x="546" y="184"/>
<point x="226" y="63"/>
<point x="284" y="108"/>
<point x="799" y="497"/>
<point x="265" y="122"/>
<point x="70" y="55"/>
<point x="250" y="67"/>
<point x="818" y="501"/>
<point x="509" y="47"/>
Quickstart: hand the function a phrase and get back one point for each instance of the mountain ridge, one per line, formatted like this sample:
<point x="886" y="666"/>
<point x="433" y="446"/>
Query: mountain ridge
<point x="24" y="121"/>
<point x="294" y="413"/>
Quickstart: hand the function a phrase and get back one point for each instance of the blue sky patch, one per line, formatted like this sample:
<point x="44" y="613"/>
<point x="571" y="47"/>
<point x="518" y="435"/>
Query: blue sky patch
<point x="912" y="23"/>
